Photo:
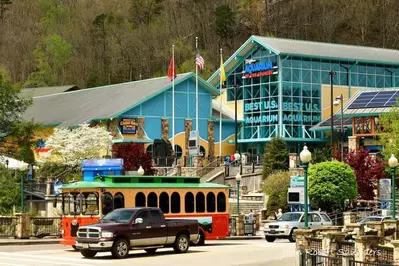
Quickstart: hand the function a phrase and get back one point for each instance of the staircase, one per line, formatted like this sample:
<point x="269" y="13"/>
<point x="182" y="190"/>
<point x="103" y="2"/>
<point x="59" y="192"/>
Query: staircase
<point x="213" y="174"/>
<point x="245" y="206"/>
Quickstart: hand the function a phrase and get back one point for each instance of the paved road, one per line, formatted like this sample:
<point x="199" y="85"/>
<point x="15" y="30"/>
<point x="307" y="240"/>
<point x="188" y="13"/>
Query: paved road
<point x="220" y="253"/>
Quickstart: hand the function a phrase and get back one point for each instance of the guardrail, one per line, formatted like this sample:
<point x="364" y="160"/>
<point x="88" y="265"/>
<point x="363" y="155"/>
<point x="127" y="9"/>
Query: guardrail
<point x="45" y="226"/>
<point x="7" y="226"/>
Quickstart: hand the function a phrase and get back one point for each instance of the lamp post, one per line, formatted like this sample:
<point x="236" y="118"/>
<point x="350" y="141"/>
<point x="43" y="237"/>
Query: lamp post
<point x="393" y="163"/>
<point x="306" y="157"/>
<point x="337" y="101"/>
<point x="7" y="162"/>
<point x="21" y="174"/>
<point x="238" y="179"/>
<point x="332" y="73"/>
<point x="140" y="171"/>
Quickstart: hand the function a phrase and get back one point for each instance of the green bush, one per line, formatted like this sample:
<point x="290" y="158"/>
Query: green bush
<point x="276" y="187"/>
<point x="330" y="184"/>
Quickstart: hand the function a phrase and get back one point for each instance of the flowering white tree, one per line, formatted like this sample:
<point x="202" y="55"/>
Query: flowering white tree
<point x="71" y="146"/>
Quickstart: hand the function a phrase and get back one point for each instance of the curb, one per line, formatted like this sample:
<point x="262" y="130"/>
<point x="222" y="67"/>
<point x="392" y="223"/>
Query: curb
<point x="29" y="242"/>
<point x="243" y="238"/>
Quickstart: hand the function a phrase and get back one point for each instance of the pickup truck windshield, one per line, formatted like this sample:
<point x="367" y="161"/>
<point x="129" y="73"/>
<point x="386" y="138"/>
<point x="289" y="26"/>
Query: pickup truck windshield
<point x="118" y="216"/>
<point x="286" y="217"/>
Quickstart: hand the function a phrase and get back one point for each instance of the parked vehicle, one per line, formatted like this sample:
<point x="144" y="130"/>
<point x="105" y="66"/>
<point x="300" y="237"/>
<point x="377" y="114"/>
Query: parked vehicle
<point x="285" y="226"/>
<point x="374" y="219"/>
<point x="141" y="228"/>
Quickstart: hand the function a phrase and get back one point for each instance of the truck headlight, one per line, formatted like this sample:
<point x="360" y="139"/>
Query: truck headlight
<point x="286" y="226"/>
<point x="107" y="234"/>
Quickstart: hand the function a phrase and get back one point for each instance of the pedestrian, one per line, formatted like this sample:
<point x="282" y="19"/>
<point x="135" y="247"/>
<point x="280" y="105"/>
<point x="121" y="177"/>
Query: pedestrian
<point x="237" y="157"/>
<point x="279" y="214"/>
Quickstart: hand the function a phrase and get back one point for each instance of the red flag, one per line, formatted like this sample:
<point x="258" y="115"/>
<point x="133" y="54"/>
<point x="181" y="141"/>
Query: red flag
<point x="172" y="69"/>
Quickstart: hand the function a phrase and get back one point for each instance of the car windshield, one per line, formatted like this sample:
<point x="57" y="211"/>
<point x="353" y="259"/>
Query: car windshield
<point x="290" y="217"/>
<point x="118" y="216"/>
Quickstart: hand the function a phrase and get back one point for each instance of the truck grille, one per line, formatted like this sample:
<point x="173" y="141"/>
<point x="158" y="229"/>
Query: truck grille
<point x="273" y="226"/>
<point x="89" y="233"/>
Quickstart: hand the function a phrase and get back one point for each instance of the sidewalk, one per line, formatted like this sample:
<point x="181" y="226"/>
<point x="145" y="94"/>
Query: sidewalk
<point x="258" y="235"/>
<point x="31" y="241"/>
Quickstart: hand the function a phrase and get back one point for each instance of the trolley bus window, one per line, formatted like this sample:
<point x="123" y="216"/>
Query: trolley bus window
<point x="119" y="201"/>
<point x="140" y="199"/>
<point x="189" y="202"/>
<point x="152" y="200"/>
<point x="210" y="202"/>
<point x="164" y="202"/>
<point x="200" y="202"/>
<point x="108" y="203"/>
<point x="90" y="204"/>
<point x="175" y="200"/>
<point x="221" y="198"/>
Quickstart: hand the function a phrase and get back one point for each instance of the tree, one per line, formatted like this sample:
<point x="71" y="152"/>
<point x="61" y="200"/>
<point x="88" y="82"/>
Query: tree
<point x="389" y="124"/>
<point x="9" y="192"/>
<point x="368" y="170"/>
<point x="133" y="155"/>
<point x="71" y="146"/>
<point x="321" y="155"/>
<point x="225" y="23"/>
<point x="276" y="157"/>
<point x="331" y="183"/>
<point x="12" y="106"/>
<point x="276" y="187"/>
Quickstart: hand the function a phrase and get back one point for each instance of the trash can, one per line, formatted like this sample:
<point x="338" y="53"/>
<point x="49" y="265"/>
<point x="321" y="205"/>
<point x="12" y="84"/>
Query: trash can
<point x="249" y="228"/>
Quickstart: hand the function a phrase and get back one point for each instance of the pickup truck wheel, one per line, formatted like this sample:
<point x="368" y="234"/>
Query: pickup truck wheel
<point x="74" y="247"/>
<point x="270" y="238"/>
<point x="181" y="244"/>
<point x="120" y="249"/>
<point x="200" y="241"/>
<point x="150" y="250"/>
<point x="88" y="253"/>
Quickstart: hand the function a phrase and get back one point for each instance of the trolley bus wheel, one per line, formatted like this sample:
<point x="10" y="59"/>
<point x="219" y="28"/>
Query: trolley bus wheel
<point x="200" y="241"/>
<point x="74" y="247"/>
<point x="88" y="253"/>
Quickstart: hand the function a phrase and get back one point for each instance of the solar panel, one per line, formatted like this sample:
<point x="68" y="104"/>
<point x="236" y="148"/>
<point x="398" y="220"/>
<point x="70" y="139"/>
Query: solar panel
<point x="375" y="99"/>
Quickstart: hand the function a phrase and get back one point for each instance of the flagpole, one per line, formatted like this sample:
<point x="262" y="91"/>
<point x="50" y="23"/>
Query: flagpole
<point x="196" y="96"/>
<point x="220" y="108"/>
<point x="173" y="97"/>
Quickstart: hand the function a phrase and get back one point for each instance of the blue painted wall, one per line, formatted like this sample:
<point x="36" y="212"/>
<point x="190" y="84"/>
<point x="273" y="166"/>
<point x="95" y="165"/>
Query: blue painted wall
<point x="227" y="130"/>
<point x="160" y="106"/>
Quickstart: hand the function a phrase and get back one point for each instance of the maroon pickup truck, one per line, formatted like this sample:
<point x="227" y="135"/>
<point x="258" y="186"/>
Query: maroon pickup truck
<point x="142" y="228"/>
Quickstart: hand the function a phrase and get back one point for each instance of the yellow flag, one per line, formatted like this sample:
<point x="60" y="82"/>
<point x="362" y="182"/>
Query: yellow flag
<point x="222" y="73"/>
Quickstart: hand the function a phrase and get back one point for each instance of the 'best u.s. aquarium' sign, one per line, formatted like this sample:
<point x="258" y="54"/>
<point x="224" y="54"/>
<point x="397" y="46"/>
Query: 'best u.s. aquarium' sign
<point x="258" y="70"/>
<point x="295" y="117"/>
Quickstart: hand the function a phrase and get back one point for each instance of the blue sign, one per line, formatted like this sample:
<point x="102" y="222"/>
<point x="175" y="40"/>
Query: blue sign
<point x="297" y="181"/>
<point x="258" y="70"/>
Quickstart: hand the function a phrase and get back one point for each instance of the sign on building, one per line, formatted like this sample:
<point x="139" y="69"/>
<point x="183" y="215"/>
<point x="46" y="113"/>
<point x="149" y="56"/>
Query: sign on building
<point x="128" y="125"/>
<point x="193" y="142"/>
<point x="296" y="195"/>
<point x="297" y="181"/>
<point x="385" y="189"/>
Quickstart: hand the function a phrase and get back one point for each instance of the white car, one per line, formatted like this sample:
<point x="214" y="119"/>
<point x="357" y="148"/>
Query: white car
<point x="285" y="226"/>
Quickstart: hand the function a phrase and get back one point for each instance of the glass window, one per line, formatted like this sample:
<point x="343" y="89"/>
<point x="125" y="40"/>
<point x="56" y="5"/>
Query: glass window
<point x="189" y="202"/>
<point x="144" y="214"/>
<point x="200" y="202"/>
<point x="140" y="199"/>
<point x="178" y="151"/>
<point x="202" y="150"/>
<point x="156" y="216"/>
<point x="175" y="200"/>
<point x="119" y="201"/>
<point x="325" y="217"/>
<point x="210" y="202"/>
<point x="108" y="203"/>
<point x="119" y="216"/>
<point x="315" y="218"/>
<point x="152" y="200"/>
<point x="164" y="202"/>
<point x="221" y="199"/>
<point x="290" y="216"/>
<point x="149" y="149"/>
<point x="90" y="204"/>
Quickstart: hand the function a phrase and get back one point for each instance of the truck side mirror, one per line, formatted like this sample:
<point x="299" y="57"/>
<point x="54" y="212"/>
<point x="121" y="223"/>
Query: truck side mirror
<point x="55" y="202"/>
<point x="138" y="221"/>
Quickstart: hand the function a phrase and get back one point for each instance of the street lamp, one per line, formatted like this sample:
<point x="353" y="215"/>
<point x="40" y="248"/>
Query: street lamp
<point x="306" y="157"/>
<point x="337" y="101"/>
<point x="393" y="163"/>
<point x="7" y="162"/>
<point x="22" y="170"/>
<point x="238" y="179"/>
<point x="332" y="73"/>
<point x="140" y="171"/>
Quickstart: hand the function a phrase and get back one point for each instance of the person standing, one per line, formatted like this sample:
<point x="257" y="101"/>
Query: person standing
<point x="237" y="157"/>
<point x="279" y="214"/>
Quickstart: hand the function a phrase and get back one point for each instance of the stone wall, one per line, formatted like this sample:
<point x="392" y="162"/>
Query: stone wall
<point x="353" y="143"/>
<point x="165" y="128"/>
<point x="211" y="139"/>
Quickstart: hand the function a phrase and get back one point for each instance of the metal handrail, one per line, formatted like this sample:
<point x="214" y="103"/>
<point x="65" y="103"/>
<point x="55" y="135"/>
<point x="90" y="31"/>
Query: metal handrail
<point x="195" y="172"/>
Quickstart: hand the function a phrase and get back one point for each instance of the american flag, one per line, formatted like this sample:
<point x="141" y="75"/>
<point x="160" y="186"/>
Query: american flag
<point x="199" y="61"/>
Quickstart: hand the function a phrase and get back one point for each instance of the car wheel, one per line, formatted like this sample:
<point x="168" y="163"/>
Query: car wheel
<point x="88" y="253"/>
<point x="120" y="249"/>
<point x="270" y="238"/>
<point x="181" y="244"/>
<point x="150" y="250"/>
<point x="200" y="241"/>
<point x="292" y="236"/>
